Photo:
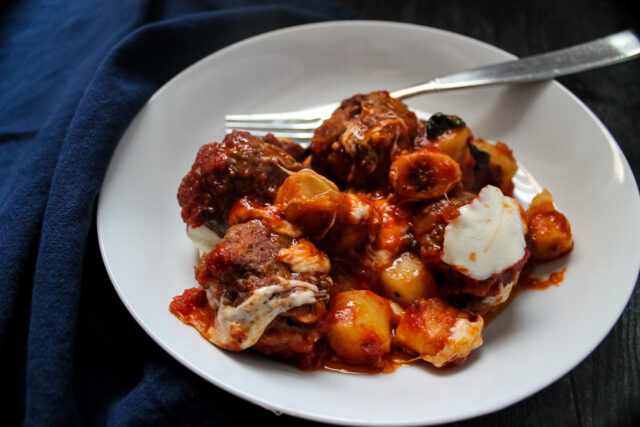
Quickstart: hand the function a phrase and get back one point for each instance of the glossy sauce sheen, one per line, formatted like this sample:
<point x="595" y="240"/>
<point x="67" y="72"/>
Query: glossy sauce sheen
<point x="396" y="359"/>
<point x="540" y="283"/>
<point x="526" y="282"/>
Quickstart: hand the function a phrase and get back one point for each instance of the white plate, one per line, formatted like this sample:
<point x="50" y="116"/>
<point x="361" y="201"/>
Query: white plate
<point x="539" y="337"/>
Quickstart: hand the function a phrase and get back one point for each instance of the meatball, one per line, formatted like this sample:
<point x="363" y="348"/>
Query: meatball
<point x="255" y="275"/>
<point x="241" y="166"/>
<point x="244" y="259"/>
<point x="288" y="339"/>
<point x="356" y="145"/>
<point x="459" y="275"/>
<point x="429" y="223"/>
<point x="287" y="145"/>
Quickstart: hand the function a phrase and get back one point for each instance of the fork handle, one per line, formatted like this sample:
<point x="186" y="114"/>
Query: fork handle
<point x="608" y="50"/>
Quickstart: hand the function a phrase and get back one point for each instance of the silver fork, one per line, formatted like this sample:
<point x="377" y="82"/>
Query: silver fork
<point x="300" y="125"/>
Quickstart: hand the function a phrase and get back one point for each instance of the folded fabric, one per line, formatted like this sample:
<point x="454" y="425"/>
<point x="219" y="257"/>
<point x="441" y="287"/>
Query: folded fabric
<point x="74" y="74"/>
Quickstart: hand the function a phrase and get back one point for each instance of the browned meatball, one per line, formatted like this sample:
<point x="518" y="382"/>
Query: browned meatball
<point x="287" y="145"/>
<point x="429" y="223"/>
<point x="288" y="339"/>
<point x="429" y="230"/>
<point x="253" y="278"/>
<point x="251" y="256"/>
<point x="241" y="166"/>
<point x="356" y="145"/>
<point x="245" y="258"/>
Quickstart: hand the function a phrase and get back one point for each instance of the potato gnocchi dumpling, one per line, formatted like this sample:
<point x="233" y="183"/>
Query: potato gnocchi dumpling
<point x="549" y="229"/>
<point x="359" y="326"/>
<point x="438" y="332"/>
<point x="407" y="280"/>
<point x="500" y="167"/>
<point x="311" y="201"/>
<point x="425" y="174"/>
<point x="450" y="134"/>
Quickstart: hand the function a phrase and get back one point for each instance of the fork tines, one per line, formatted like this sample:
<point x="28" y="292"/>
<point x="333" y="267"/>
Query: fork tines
<point x="297" y="125"/>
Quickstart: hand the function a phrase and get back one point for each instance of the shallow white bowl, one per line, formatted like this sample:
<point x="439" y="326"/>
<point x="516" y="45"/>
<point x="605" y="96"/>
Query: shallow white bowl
<point x="536" y="340"/>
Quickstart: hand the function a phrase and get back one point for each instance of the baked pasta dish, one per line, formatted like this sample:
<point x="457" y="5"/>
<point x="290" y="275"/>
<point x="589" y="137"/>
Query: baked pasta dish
<point x="388" y="240"/>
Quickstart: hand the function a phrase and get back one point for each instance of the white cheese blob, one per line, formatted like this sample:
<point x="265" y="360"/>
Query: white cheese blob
<point x="487" y="237"/>
<point x="359" y="211"/>
<point x="203" y="238"/>
<point x="304" y="257"/>
<point x="487" y="303"/>
<point x="251" y="318"/>
<point x="464" y="337"/>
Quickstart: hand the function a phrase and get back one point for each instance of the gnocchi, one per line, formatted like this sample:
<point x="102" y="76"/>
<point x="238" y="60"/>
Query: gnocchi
<point x="407" y="280"/>
<point x="359" y="326"/>
<point x="549" y="229"/>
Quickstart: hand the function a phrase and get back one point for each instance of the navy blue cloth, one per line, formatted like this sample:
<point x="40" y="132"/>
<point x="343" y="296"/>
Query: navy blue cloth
<point x="72" y="76"/>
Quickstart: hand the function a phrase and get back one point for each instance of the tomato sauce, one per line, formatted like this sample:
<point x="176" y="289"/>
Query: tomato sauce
<point x="527" y="281"/>
<point x="329" y="361"/>
<point x="540" y="283"/>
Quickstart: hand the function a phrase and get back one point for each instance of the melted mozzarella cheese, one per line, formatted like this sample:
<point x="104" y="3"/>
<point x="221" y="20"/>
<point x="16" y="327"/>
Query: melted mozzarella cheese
<point x="487" y="237"/>
<point x="487" y="303"/>
<point x="238" y="328"/>
<point x="359" y="211"/>
<point x="465" y="336"/>
<point x="304" y="257"/>
<point x="203" y="238"/>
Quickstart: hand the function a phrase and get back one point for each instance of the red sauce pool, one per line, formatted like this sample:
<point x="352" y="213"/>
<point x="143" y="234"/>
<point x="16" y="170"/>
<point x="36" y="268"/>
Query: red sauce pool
<point x="539" y="283"/>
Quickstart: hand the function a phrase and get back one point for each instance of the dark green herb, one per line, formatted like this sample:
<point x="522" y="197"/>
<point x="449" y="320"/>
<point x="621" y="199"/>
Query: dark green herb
<point x="439" y="123"/>
<point x="481" y="157"/>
